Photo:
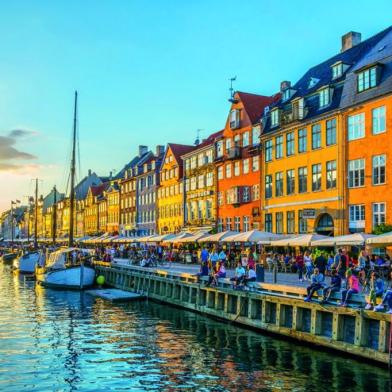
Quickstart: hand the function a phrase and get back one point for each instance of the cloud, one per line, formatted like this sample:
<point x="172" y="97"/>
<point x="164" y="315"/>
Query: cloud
<point x="9" y="152"/>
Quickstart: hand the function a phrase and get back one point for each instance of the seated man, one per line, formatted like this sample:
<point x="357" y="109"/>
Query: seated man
<point x="251" y="276"/>
<point x="387" y="299"/>
<point x="239" y="275"/>
<point x="203" y="270"/>
<point x="376" y="285"/>
<point x="336" y="282"/>
<point x="220" y="272"/>
<point x="317" y="280"/>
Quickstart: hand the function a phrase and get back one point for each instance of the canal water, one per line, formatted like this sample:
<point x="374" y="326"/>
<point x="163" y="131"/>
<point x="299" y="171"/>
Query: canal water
<point x="68" y="341"/>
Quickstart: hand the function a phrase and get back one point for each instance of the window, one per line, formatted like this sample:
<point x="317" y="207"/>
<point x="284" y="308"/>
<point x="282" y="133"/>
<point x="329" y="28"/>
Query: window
<point x="200" y="160"/>
<point x="245" y="166"/>
<point x="316" y="177"/>
<point x="331" y="132"/>
<point x="378" y="214"/>
<point x="379" y="169"/>
<point x="275" y="117"/>
<point x="298" y="109"/>
<point x="234" y="119"/>
<point x="302" y="179"/>
<point x="255" y="136"/>
<point x="220" y="225"/>
<point x="228" y="223"/>
<point x="210" y="179"/>
<point x="246" y="223"/>
<point x="200" y="182"/>
<point x="228" y="170"/>
<point x="246" y="194"/>
<point x="337" y="70"/>
<point x="245" y="139"/>
<point x="279" y="222"/>
<point x="219" y="149"/>
<point x="290" y="182"/>
<point x="220" y="172"/>
<point x="367" y="79"/>
<point x="302" y="140"/>
<point x="279" y="184"/>
<point x="220" y="199"/>
<point x="356" y="173"/>
<point x="255" y="163"/>
<point x="268" y="150"/>
<point x="268" y="186"/>
<point x="324" y="97"/>
<point x="228" y="144"/>
<point x="356" y="126"/>
<point x="302" y="223"/>
<point x="357" y="217"/>
<point x="378" y="120"/>
<point x="290" y="144"/>
<point x="255" y="192"/>
<point x="268" y="223"/>
<point x="237" y="168"/>
<point x="290" y="222"/>
<point x="331" y="174"/>
<point x="316" y="136"/>
<point x="279" y="147"/>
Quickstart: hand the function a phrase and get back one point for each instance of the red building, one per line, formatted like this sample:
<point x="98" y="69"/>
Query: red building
<point x="238" y="164"/>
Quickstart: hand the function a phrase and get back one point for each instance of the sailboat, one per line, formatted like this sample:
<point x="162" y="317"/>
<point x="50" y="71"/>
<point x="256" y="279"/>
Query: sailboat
<point x="66" y="267"/>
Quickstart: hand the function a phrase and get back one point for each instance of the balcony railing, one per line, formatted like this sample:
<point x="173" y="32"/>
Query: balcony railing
<point x="234" y="153"/>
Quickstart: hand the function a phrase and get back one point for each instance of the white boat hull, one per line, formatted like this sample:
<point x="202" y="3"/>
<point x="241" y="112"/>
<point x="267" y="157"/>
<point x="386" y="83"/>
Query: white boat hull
<point x="26" y="264"/>
<point x="67" y="278"/>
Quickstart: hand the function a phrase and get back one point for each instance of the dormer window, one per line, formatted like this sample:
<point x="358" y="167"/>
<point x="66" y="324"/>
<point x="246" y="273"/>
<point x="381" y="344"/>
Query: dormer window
<point x="235" y="119"/>
<point x="275" y="117"/>
<point x="367" y="79"/>
<point x="337" y="70"/>
<point x="324" y="97"/>
<point x="298" y="109"/>
<point x="313" y="82"/>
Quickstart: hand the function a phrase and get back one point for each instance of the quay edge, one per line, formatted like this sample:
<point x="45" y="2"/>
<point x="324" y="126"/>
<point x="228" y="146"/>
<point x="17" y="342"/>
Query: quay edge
<point x="359" y="333"/>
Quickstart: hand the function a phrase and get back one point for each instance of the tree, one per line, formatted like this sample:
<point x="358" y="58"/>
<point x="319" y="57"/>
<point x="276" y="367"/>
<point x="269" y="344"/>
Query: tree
<point x="383" y="228"/>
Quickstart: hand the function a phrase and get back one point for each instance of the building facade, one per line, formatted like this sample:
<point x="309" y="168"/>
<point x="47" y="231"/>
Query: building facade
<point x="238" y="164"/>
<point x="171" y="192"/>
<point x="201" y="185"/>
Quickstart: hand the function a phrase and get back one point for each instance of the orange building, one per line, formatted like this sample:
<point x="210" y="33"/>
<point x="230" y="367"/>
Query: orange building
<point x="367" y="108"/>
<point x="238" y="164"/>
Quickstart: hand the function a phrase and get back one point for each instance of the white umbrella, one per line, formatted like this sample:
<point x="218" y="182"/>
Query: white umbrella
<point x="256" y="236"/>
<point x="162" y="237"/>
<point x="195" y="237"/>
<point x="356" y="239"/>
<point x="218" y="236"/>
<point x="178" y="238"/>
<point x="300" y="240"/>
<point x="380" y="240"/>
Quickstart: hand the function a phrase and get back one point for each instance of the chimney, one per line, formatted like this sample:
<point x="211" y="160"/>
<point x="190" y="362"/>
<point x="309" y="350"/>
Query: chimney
<point x="350" y="39"/>
<point x="284" y="85"/>
<point x="89" y="172"/>
<point x="142" y="150"/>
<point x="159" y="150"/>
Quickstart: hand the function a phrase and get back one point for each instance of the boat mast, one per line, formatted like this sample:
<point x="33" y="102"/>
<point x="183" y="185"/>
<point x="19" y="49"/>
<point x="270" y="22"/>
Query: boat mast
<point x="54" y="223"/>
<point x="72" y="195"/>
<point x="36" y="215"/>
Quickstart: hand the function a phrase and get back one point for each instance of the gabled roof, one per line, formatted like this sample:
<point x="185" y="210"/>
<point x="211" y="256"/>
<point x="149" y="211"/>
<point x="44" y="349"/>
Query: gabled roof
<point x="178" y="150"/>
<point x="254" y="104"/>
<point x="98" y="189"/>
<point x="206" y="142"/>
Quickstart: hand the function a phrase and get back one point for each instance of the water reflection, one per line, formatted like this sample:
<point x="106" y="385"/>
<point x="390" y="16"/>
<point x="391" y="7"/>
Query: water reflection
<point x="54" y="340"/>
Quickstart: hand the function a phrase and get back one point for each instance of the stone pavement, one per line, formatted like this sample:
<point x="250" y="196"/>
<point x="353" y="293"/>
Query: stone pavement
<point x="282" y="278"/>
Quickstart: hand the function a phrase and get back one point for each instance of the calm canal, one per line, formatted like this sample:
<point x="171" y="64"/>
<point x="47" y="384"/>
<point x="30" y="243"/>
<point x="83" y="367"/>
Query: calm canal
<point x="68" y="341"/>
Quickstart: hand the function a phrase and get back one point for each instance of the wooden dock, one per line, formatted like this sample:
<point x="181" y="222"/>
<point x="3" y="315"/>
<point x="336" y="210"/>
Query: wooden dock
<point x="115" y="295"/>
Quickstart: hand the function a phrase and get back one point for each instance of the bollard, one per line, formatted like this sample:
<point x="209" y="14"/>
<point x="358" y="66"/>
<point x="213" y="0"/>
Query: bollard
<point x="275" y="274"/>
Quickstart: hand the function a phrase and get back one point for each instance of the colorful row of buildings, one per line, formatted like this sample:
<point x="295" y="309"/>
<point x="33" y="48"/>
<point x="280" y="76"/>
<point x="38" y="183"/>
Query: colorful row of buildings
<point x="314" y="157"/>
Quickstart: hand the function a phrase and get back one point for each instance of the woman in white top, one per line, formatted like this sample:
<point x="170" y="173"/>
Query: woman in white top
<point x="308" y="265"/>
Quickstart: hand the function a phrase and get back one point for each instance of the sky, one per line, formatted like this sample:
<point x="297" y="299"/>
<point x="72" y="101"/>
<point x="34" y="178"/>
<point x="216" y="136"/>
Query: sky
<point x="147" y="72"/>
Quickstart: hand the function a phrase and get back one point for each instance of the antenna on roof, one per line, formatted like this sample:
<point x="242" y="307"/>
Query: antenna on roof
<point x="197" y="141"/>
<point x="231" y="89"/>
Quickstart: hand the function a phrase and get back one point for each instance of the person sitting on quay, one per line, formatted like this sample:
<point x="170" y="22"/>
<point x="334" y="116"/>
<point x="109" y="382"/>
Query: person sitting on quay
<point x="387" y="299"/>
<point x="352" y="286"/>
<point x="317" y="280"/>
<point x="334" y="286"/>
<point x="219" y="272"/>
<point x="250" y="276"/>
<point x="239" y="275"/>
<point x="203" y="270"/>
<point x="376" y="285"/>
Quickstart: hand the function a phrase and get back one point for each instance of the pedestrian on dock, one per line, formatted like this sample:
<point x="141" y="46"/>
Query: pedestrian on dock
<point x="299" y="262"/>
<point x="317" y="281"/>
<point x="308" y="265"/>
<point x="335" y="286"/>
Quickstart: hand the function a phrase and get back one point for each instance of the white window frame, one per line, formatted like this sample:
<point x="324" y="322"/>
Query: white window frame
<point x="378" y="120"/>
<point x="356" y="126"/>
<point x="356" y="173"/>
<point x="379" y="162"/>
<point x="378" y="213"/>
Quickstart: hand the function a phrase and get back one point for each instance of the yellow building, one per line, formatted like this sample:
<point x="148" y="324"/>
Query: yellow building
<point x="200" y="185"/>
<point x="170" y="193"/>
<point x="112" y="195"/>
